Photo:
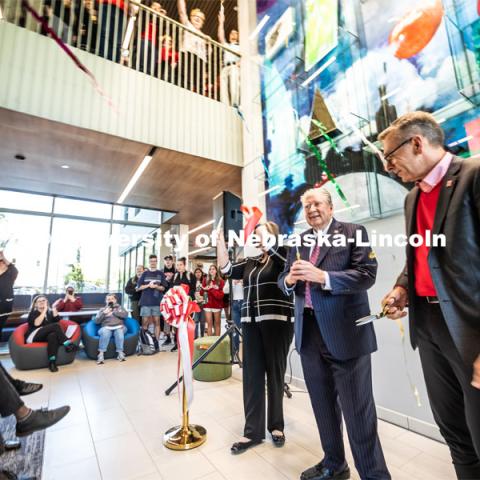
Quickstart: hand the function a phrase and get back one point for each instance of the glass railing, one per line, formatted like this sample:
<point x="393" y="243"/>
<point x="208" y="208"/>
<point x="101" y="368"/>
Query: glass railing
<point x="140" y="38"/>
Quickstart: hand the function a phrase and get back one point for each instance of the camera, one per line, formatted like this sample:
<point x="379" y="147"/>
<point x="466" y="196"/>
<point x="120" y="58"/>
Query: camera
<point x="111" y="304"/>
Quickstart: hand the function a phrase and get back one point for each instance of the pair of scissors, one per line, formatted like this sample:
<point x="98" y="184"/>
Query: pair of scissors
<point x="372" y="318"/>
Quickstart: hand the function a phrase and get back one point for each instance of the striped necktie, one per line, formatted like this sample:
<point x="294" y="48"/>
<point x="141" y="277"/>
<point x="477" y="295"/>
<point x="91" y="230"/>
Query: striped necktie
<point x="313" y="260"/>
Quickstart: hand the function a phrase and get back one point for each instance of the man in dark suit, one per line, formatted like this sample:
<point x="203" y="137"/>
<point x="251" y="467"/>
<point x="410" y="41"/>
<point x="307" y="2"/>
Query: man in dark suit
<point x="441" y="284"/>
<point x="330" y="284"/>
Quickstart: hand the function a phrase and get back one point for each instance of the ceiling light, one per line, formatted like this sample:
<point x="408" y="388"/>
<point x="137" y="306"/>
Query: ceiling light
<point x="276" y="187"/>
<point x="196" y="229"/>
<point x="318" y="72"/>
<point x="135" y="177"/>
<point x="259" y="27"/>
<point x="458" y="142"/>
<point x="199" y="250"/>
<point x="65" y="166"/>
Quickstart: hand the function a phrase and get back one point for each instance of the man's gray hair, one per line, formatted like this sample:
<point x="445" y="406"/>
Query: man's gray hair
<point x="416" y="123"/>
<point x="317" y="191"/>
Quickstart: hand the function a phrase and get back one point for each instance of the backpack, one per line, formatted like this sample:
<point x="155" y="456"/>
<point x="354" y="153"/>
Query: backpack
<point x="147" y="343"/>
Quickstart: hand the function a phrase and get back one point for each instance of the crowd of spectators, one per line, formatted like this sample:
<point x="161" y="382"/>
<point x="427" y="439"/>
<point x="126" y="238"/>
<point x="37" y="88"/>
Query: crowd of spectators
<point x="158" y="46"/>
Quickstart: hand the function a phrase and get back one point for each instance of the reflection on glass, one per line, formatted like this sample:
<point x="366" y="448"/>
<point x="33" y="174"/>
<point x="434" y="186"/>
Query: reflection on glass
<point x="78" y="255"/>
<point x="25" y="201"/>
<point x="25" y="240"/>
<point x="82" y="208"/>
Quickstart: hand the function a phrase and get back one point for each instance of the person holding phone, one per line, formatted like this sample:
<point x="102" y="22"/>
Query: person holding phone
<point x="212" y="289"/>
<point x="70" y="302"/>
<point x="43" y="326"/>
<point x="111" y="317"/>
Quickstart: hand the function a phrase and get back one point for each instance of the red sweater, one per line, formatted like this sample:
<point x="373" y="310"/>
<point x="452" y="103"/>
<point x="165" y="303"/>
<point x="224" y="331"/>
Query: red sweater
<point x="69" y="306"/>
<point x="426" y="208"/>
<point x="215" y="295"/>
<point x="115" y="3"/>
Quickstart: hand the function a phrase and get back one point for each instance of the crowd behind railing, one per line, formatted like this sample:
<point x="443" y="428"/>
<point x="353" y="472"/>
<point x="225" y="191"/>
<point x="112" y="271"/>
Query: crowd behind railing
<point x="141" y="36"/>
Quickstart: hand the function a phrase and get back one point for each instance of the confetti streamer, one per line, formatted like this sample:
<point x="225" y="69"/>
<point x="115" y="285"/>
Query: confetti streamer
<point x="323" y="164"/>
<point x="66" y="49"/>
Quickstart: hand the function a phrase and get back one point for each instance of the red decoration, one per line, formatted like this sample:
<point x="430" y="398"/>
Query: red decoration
<point x="253" y="216"/>
<point x="415" y="30"/>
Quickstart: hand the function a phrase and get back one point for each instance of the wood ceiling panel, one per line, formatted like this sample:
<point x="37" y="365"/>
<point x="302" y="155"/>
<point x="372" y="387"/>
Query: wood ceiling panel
<point x="101" y="165"/>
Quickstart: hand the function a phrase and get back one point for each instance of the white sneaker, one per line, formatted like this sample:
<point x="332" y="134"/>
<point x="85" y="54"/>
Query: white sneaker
<point x="162" y="336"/>
<point x="100" y="359"/>
<point x="121" y="357"/>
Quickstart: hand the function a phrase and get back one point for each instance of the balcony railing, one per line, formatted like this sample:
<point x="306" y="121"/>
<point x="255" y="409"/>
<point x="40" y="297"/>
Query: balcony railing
<point x="129" y="33"/>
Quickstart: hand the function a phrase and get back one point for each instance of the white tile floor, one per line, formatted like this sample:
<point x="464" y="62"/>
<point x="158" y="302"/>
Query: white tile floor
<point x="120" y="412"/>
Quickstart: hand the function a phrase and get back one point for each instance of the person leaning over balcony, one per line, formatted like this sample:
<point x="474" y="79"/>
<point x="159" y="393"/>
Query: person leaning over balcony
<point x="168" y="60"/>
<point x="86" y="25"/>
<point x="111" y="317"/>
<point x="230" y="76"/>
<point x="43" y="326"/>
<point x="69" y="303"/>
<point x="112" y="20"/>
<point x="193" y="48"/>
<point x="267" y="328"/>
<point x="8" y="275"/>
<point x="59" y="15"/>
<point x="149" y="37"/>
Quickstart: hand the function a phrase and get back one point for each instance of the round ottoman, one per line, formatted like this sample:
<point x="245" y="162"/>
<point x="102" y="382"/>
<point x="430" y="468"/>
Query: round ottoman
<point x="206" y="372"/>
<point x="91" y="339"/>
<point x="29" y="356"/>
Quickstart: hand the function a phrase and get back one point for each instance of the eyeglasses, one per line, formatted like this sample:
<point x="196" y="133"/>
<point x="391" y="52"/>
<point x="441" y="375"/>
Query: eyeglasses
<point x="386" y="156"/>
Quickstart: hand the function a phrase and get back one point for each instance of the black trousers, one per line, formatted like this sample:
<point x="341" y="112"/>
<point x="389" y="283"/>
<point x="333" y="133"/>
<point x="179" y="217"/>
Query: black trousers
<point x="455" y="403"/>
<point x="53" y="335"/>
<point x="265" y="350"/>
<point x="5" y="307"/>
<point x="10" y="401"/>
<point x="342" y="386"/>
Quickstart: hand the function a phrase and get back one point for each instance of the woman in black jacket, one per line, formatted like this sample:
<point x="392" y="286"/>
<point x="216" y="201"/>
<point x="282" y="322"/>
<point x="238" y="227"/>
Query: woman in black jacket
<point x="43" y="326"/>
<point x="267" y="330"/>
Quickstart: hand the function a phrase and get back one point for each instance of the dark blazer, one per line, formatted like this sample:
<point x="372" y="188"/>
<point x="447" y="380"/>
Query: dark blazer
<point x="352" y="270"/>
<point x="455" y="268"/>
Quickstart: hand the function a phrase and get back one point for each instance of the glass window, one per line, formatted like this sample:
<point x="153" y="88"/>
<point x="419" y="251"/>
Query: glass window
<point x="82" y="208"/>
<point x="140" y="215"/>
<point x="78" y="255"/>
<point x="25" y="242"/>
<point x="25" y="201"/>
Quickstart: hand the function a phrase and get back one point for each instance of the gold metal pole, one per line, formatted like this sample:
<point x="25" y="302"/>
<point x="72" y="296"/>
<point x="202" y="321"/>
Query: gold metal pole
<point x="185" y="436"/>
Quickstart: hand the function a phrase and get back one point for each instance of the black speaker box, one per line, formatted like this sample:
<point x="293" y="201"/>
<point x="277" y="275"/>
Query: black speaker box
<point x="227" y="205"/>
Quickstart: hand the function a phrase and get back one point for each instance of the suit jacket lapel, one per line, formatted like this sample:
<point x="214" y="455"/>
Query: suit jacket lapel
<point x="446" y="191"/>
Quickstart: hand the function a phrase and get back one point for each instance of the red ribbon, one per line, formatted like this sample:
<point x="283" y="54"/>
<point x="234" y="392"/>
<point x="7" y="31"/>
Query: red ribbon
<point x="67" y="50"/>
<point x="255" y="216"/>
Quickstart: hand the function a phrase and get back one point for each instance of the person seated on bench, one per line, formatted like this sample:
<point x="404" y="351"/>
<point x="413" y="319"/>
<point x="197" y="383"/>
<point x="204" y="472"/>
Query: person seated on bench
<point x="111" y="318"/>
<point x="43" y="326"/>
<point x="69" y="303"/>
<point x="28" y="420"/>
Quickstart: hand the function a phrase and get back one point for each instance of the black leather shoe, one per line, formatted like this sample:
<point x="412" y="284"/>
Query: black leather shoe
<point x="6" y="475"/>
<point x="40" y="420"/>
<point x="320" y="472"/>
<point x="26" y="388"/>
<point x="240" y="447"/>
<point x="52" y="366"/>
<point x="278" y="440"/>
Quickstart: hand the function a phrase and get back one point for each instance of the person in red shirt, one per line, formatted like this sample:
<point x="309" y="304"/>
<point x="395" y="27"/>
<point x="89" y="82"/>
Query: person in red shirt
<point x="213" y="289"/>
<point x="69" y="303"/>
<point x="167" y="59"/>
